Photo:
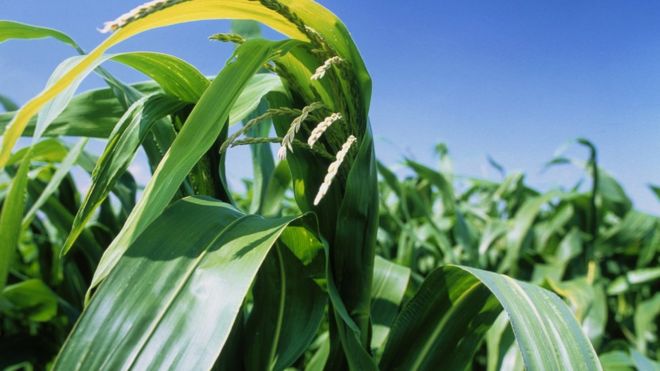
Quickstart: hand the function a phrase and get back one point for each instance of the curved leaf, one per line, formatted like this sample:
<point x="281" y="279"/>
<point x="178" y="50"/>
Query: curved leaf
<point x="16" y="30"/>
<point x="174" y="75"/>
<point x="448" y="317"/>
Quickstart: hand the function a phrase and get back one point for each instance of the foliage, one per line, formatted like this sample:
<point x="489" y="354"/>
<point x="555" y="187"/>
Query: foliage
<point x="188" y="274"/>
<point x="589" y="246"/>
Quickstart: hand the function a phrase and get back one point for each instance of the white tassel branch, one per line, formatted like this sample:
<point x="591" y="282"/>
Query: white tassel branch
<point x="137" y="13"/>
<point x="333" y="168"/>
<point x="294" y="128"/>
<point x="322" y="127"/>
<point x="322" y="69"/>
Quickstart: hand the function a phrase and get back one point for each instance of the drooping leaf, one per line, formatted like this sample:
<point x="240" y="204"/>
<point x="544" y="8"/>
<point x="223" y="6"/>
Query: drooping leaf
<point x="16" y="30"/>
<point x="449" y="315"/>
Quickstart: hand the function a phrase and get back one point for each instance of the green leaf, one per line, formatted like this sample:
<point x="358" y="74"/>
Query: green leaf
<point x="617" y="360"/>
<point x="278" y="184"/>
<point x="186" y="277"/>
<point x="646" y="325"/>
<point x="122" y="146"/>
<point x="288" y="308"/>
<point x="520" y="227"/>
<point x="632" y="278"/>
<point x="462" y="231"/>
<point x="656" y="190"/>
<point x="263" y="164"/>
<point x="448" y="317"/>
<point x="32" y="298"/>
<point x="353" y="252"/>
<point x="642" y="363"/>
<point x="250" y="98"/>
<point x="389" y="286"/>
<point x="90" y="114"/>
<point x="175" y="76"/>
<point x="7" y="104"/>
<point x="15" y="30"/>
<point x="62" y="170"/>
<point x="11" y="216"/>
<point x="48" y="150"/>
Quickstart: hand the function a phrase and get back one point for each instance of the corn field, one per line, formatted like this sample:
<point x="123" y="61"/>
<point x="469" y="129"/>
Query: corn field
<point x="328" y="259"/>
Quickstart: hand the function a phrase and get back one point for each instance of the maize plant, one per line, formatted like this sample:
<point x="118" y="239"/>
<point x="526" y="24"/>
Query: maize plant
<point x="183" y="274"/>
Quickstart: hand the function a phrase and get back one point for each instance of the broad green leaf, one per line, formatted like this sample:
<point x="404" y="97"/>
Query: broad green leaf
<point x="259" y="85"/>
<point x="174" y="75"/>
<point x="199" y="132"/>
<point x="389" y="286"/>
<point x="448" y="317"/>
<point x="503" y="352"/>
<point x="588" y="303"/>
<point x="188" y="275"/>
<point x="122" y="146"/>
<point x="179" y="78"/>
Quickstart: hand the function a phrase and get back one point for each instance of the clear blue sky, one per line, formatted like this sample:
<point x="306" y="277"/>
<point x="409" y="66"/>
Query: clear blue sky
<point x="509" y="79"/>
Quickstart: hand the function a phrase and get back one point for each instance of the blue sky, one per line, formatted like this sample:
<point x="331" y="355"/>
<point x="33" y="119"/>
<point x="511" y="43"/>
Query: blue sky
<point x="510" y="79"/>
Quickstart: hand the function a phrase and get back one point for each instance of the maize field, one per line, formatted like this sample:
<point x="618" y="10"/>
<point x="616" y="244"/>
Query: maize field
<point x="327" y="259"/>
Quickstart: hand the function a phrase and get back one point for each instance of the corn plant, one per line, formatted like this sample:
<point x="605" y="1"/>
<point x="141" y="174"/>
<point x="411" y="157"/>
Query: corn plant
<point x="183" y="276"/>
